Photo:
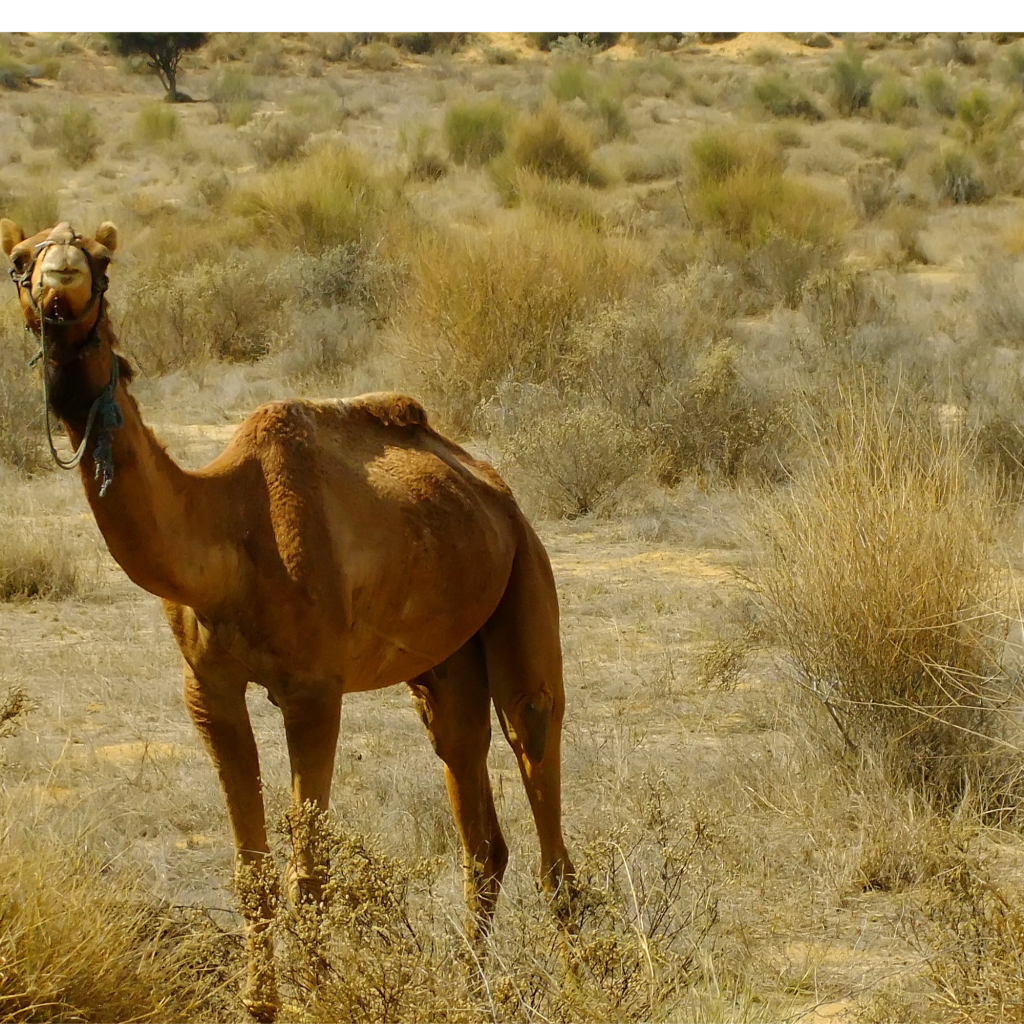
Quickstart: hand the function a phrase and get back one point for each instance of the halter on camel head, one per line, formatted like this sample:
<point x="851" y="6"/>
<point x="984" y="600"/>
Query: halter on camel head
<point x="55" y="265"/>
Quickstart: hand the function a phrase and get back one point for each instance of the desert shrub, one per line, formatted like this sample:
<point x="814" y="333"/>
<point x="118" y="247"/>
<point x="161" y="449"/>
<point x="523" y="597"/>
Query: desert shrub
<point x="424" y="158"/>
<point x="1012" y="67"/>
<point x="938" y="91"/>
<point x="955" y="175"/>
<point x="974" y="109"/>
<point x="891" y="98"/>
<point x="570" y="80"/>
<point x="156" y="122"/>
<point x="891" y="626"/>
<point x="476" y="132"/>
<point x="13" y="74"/>
<point x="429" y="42"/>
<point x="873" y="187"/>
<point x="555" y="144"/>
<point x="84" y="939"/>
<point x="34" y="210"/>
<point x="276" y="139"/>
<point x="331" y="197"/>
<point x="37" y="562"/>
<point x="77" y="136"/>
<point x="21" y="402"/>
<point x="565" y="459"/>
<point x="739" y="188"/>
<point x="187" y="316"/>
<point x="483" y="307"/>
<point x="837" y="302"/>
<point x="234" y="96"/>
<point x="563" y="200"/>
<point x="378" y="56"/>
<point x="385" y="947"/>
<point x="850" y="81"/>
<point x="779" y="95"/>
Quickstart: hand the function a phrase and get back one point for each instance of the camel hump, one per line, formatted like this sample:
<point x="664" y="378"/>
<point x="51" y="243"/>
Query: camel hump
<point x="391" y="408"/>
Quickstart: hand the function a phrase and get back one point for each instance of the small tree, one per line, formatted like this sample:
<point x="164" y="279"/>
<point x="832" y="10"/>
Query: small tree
<point x="164" y="50"/>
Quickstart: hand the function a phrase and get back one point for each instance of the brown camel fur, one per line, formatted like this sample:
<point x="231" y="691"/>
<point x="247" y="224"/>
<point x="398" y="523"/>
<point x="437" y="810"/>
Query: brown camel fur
<point x="333" y="547"/>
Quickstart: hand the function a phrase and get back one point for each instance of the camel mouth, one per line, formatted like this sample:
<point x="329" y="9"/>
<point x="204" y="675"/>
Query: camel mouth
<point x="60" y="279"/>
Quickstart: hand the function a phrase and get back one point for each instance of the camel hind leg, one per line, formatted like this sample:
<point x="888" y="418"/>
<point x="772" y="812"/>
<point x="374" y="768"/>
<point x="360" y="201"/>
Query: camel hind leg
<point x="453" y="701"/>
<point x="523" y="653"/>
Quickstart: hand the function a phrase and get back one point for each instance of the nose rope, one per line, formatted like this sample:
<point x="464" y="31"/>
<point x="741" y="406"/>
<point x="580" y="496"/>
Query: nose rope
<point x="104" y="405"/>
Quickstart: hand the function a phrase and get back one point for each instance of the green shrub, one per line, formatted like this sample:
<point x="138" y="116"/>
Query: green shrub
<point x="571" y="80"/>
<point x="234" y="96"/>
<point x="276" y="140"/>
<point x="850" y="82"/>
<point x="974" y="110"/>
<point x="891" y="98"/>
<point x="13" y="74"/>
<point x="938" y="91"/>
<point x="555" y="144"/>
<point x="78" y="138"/>
<point x="739" y="188"/>
<point x="955" y="175"/>
<point x="476" y="132"/>
<point x="425" y="160"/>
<point x="332" y="197"/>
<point x="156" y="122"/>
<point x="1012" y="67"/>
<point x="779" y="95"/>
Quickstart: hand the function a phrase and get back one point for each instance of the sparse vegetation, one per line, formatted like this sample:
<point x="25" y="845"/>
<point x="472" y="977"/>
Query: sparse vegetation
<point x="665" y="292"/>
<point x="476" y="132"/>
<point x="903" y="649"/>
<point x="156" y="123"/>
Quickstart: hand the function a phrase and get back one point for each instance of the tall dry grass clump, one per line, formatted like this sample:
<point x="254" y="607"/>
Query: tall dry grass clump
<point x="481" y="307"/>
<point x="477" y="131"/>
<point x="739" y="187"/>
<point x="556" y="144"/>
<point x="83" y="939"/>
<point x="332" y="197"/>
<point x="880" y="584"/>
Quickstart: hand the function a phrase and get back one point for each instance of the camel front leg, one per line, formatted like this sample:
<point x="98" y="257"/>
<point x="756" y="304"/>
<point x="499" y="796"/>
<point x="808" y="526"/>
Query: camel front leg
<point x="311" y="722"/>
<point x="222" y="720"/>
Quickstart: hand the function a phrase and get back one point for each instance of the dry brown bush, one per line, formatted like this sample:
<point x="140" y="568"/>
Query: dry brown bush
<point x="21" y="401"/>
<point x="483" y="307"/>
<point x="332" y="197"/>
<point x="83" y="939"/>
<point x="36" y="561"/>
<point x="880" y="585"/>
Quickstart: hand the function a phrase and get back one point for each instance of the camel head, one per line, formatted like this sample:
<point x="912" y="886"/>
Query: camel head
<point x="61" y="277"/>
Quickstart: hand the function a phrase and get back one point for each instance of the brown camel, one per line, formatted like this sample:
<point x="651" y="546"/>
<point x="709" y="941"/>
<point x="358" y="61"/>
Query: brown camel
<point x="333" y="547"/>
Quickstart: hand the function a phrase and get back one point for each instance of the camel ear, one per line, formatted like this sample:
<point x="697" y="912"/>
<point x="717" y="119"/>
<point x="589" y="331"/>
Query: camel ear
<point x="10" y="235"/>
<point x="106" y="235"/>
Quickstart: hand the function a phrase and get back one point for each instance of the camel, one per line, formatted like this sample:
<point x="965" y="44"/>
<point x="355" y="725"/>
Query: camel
<point x="333" y="547"/>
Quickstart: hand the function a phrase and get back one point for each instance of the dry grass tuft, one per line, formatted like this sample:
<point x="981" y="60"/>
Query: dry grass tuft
<point x="556" y="144"/>
<point x="84" y="940"/>
<point x="477" y="131"/>
<point x="904" y="646"/>
<point x="332" y="197"/>
<point x="483" y="307"/>
<point x="37" y="562"/>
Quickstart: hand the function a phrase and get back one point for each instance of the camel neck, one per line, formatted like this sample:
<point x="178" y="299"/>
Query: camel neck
<point x="162" y="524"/>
